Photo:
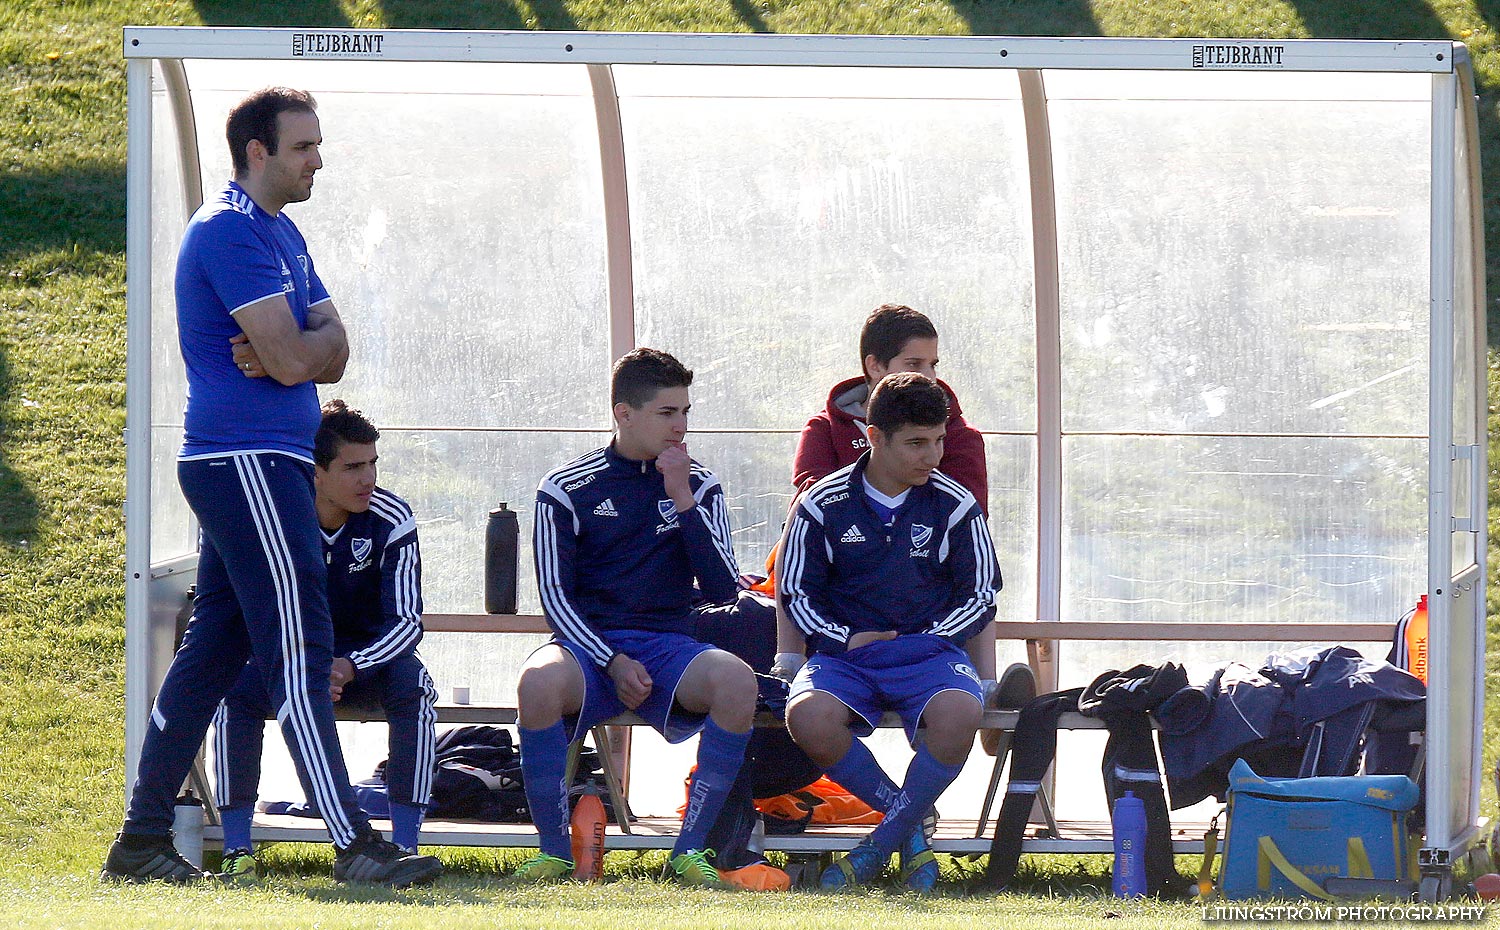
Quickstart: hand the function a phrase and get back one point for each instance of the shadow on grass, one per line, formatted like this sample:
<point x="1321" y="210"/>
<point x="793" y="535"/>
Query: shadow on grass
<point x="18" y="510"/>
<point x="478" y="14"/>
<point x="75" y="209"/>
<point x="749" y="13"/>
<point x="326" y="13"/>
<point x="1415" y="19"/>
<point x="1027" y="17"/>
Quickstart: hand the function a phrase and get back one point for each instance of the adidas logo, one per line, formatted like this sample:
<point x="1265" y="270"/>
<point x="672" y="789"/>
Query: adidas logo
<point x="606" y="509"/>
<point x="852" y="535"/>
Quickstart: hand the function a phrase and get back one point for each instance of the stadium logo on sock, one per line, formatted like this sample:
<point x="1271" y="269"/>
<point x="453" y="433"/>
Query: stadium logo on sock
<point x="852" y="535"/>
<point x="606" y="509"/>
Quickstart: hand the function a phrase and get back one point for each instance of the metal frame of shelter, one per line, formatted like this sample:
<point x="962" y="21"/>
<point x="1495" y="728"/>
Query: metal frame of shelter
<point x="1457" y="621"/>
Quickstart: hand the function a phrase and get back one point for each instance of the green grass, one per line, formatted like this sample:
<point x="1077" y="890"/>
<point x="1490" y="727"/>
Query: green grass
<point x="62" y="363"/>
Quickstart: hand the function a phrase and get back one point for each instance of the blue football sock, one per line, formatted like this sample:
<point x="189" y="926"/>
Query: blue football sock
<point x="406" y="823"/>
<point x="862" y="775"/>
<point x="926" y="778"/>
<point x="720" y="755"/>
<point x="236" y="822"/>
<point x="544" y="759"/>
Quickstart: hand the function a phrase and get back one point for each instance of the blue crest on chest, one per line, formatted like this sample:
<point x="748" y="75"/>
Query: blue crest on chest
<point x="668" y="510"/>
<point x="360" y="549"/>
<point x="920" y="535"/>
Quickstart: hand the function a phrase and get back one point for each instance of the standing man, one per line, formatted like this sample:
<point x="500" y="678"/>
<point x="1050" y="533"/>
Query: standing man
<point x="621" y="535"/>
<point x="257" y="328"/>
<point x="888" y="568"/>
<point x="375" y="596"/>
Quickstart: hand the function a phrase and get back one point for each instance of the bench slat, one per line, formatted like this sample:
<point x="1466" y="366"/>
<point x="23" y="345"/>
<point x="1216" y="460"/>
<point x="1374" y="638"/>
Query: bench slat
<point x="1132" y="630"/>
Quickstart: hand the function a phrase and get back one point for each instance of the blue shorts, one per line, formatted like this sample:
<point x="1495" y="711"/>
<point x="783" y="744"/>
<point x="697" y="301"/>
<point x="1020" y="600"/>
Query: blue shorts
<point x="666" y="657"/>
<point x="901" y="674"/>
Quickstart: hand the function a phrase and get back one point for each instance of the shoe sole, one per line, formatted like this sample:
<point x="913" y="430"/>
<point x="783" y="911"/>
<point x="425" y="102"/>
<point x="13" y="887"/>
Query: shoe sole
<point x="417" y="875"/>
<point x="129" y="878"/>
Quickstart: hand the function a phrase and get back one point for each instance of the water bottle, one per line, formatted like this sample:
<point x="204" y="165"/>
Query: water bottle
<point x="187" y="828"/>
<point x="501" y="537"/>
<point x="1129" y="824"/>
<point x="588" y="835"/>
<point x="1416" y="641"/>
<point x="756" y="845"/>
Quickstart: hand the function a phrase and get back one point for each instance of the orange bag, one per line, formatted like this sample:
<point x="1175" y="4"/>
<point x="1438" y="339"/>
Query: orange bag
<point x="827" y="801"/>
<point x="768" y="586"/>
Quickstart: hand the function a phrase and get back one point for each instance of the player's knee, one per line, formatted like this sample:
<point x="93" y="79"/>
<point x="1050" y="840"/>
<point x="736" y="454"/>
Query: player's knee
<point x="950" y="724"/>
<point x="817" y="727"/>
<point x="542" y="692"/>
<point x="733" y="692"/>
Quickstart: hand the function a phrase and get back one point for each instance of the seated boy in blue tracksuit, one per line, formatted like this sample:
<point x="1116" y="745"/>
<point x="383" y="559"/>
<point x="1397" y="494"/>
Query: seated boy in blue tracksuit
<point x="888" y="568"/>
<point x="375" y="596"/>
<point x="620" y="536"/>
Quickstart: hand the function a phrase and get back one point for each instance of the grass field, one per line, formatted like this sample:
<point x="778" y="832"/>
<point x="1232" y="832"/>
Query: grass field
<point x="62" y="364"/>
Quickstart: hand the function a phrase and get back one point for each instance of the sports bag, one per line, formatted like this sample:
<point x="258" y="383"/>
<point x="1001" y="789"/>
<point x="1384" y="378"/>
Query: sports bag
<point x="1286" y="837"/>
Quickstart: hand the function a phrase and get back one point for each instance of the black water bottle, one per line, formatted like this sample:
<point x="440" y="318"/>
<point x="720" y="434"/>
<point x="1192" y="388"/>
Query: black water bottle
<point x="501" y="536"/>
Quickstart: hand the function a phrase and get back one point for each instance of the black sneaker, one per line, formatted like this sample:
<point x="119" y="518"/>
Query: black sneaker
<point x="1016" y="686"/>
<point x="134" y="858"/>
<point x="371" y="860"/>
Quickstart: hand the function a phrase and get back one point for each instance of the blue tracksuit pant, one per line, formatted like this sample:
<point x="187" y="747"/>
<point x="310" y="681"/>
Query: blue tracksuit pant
<point x="261" y="591"/>
<point x="401" y="688"/>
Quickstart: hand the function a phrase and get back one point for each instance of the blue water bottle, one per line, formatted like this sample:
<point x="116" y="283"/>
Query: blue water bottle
<point x="1129" y="824"/>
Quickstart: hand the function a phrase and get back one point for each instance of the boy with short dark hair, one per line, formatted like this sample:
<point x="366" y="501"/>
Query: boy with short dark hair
<point x="888" y="569"/>
<point x="374" y="568"/>
<point x="621" y="535"/>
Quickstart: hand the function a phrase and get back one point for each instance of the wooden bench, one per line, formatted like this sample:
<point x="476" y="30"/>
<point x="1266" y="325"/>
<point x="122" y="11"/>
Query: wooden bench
<point x="958" y="836"/>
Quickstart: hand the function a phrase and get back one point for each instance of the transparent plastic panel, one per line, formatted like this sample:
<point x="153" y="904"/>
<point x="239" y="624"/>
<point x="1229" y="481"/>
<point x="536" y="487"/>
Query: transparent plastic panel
<point x="452" y="479"/>
<point x="754" y="470"/>
<point x="765" y="230"/>
<point x="1012" y="518"/>
<point x="1246" y="263"/>
<point x="458" y="224"/>
<point x="1466" y="380"/>
<point x="173" y="529"/>
<point x="1211" y="530"/>
<point x="171" y="523"/>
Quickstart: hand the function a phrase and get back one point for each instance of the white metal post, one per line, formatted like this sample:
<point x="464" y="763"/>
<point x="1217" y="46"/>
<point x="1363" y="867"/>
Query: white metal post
<point x="1475" y="319"/>
<point x="1440" y="832"/>
<point x="137" y="408"/>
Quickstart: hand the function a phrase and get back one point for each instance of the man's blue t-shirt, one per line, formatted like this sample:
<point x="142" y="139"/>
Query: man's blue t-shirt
<point x="233" y="255"/>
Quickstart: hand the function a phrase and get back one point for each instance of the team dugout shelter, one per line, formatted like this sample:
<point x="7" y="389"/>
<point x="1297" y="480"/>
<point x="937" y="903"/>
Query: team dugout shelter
<point x="1216" y="306"/>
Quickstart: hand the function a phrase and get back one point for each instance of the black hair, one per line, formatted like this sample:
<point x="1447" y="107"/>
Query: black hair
<point x="638" y="375"/>
<point x="255" y="118"/>
<point x="906" y="398"/>
<point x="341" y="425"/>
<point x="888" y="329"/>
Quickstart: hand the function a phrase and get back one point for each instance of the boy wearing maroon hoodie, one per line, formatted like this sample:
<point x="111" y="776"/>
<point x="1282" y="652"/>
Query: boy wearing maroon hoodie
<point x="895" y="338"/>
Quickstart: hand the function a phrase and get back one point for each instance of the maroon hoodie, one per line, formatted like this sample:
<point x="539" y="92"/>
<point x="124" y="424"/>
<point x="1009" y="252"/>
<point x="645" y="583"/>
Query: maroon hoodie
<point x="836" y="437"/>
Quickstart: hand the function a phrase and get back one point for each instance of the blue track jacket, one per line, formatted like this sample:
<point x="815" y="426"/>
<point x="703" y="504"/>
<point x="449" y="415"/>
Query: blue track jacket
<point x="375" y="583"/>
<point x="844" y="572"/>
<point x="613" y="553"/>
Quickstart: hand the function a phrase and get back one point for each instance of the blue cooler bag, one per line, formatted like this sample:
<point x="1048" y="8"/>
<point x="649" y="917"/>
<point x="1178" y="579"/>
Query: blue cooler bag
<point x="1286" y="836"/>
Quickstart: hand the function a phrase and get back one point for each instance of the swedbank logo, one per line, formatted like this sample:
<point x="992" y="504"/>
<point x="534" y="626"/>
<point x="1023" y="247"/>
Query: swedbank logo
<point x="1239" y="56"/>
<point x="337" y="44"/>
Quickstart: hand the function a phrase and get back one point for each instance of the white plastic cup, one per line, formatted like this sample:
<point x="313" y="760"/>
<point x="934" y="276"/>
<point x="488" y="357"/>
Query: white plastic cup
<point x="460" y="694"/>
